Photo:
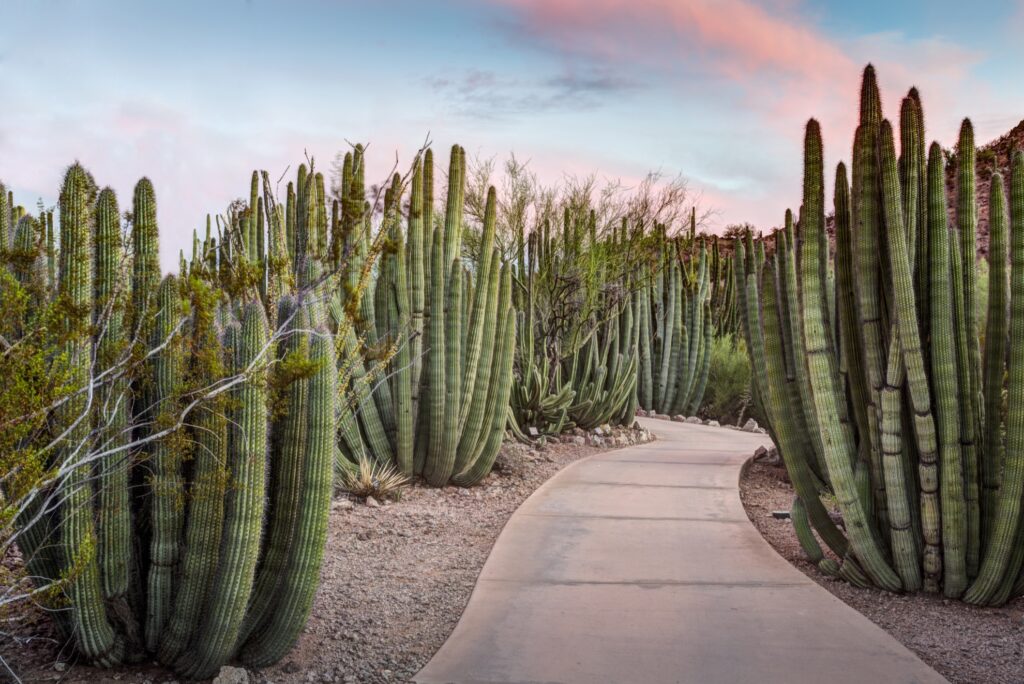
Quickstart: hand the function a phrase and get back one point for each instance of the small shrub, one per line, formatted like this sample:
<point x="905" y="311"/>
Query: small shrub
<point x="727" y="397"/>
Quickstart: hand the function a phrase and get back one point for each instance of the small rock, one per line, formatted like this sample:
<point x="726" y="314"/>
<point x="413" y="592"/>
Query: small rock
<point x="599" y="431"/>
<point x="533" y="432"/>
<point x="59" y="666"/>
<point x="693" y="420"/>
<point x="232" y="675"/>
<point x="750" y="425"/>
<point x="578" y="441"/>
<point x="678" y="418"/>
<point x="760" y="453"/>
<point x="372" y="503"/>
<point x="364" y="536"/>
<point x="713" y="423"/>
<point x="342" y="505"/>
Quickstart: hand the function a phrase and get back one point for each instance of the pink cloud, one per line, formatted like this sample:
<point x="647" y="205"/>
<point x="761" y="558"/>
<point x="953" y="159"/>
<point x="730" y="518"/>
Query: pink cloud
<point x="741" y="36"/>
<point x="785" y="66"/>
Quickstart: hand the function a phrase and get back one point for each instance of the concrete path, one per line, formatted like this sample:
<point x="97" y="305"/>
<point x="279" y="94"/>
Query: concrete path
<point x="639" y="565"/>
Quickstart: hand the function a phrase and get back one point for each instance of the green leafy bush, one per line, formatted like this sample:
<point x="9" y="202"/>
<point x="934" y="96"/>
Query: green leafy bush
<point x="727" y="397"/>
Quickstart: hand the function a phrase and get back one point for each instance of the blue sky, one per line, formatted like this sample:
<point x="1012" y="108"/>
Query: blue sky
<point x="197" y="94"/>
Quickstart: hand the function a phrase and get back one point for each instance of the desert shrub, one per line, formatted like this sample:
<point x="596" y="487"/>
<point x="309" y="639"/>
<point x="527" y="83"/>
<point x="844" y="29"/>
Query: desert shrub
<point x="727" y="397"/>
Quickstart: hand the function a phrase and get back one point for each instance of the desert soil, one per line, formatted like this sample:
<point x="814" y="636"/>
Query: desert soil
<point x="965" y="644"/>
<point x="395" y="580"/>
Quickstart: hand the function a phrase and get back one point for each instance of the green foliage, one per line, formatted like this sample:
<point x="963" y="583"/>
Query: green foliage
<point x="727" y="398"/>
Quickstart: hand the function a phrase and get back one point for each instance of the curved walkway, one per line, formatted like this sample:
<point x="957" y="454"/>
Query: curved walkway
<point x="639" y="565"/>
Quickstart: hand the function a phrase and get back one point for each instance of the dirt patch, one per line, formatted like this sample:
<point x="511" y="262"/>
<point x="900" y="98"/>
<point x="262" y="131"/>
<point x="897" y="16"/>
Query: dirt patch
<point x="395" y="580"/>
<point x="965" y="644"/>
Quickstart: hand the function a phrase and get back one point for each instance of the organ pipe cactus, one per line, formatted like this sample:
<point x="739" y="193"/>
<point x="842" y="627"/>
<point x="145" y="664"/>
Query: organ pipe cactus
<point x="904" y="411"/>
<point x="95" y="635"/>
<point x="676" y="336"/>
<point x="213" y="578"/>
<point x="437" y="327"/>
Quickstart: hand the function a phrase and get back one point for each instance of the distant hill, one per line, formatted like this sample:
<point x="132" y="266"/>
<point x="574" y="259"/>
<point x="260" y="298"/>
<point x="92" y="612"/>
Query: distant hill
<point x="990" y="157"/>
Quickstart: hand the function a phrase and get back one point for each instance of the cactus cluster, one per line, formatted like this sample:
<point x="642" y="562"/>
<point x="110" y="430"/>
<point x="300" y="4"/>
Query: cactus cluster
<point x="615" y="318"/>
<point x="578" y="346"/>
<point x="174" y="526"/>
<point x="869" y="366"/>
<point x="424" y="343"/>
<point x="677" y="326"/>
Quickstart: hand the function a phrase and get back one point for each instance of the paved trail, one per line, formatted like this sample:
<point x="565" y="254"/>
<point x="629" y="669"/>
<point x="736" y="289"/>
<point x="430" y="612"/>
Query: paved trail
<point x="639" y="565"/>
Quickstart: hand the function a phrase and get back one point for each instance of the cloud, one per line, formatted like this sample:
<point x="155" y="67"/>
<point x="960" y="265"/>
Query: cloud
<point x="737" y="36"/>
<point x="763" y="67"/>
<point x="483" y="94"/>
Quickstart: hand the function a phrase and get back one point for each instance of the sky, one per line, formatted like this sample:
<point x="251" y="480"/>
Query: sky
<point x="196" y="94"/>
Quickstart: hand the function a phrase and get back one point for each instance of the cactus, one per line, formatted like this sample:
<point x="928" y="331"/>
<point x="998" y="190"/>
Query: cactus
<point x="114" y="519"/>
<point x="435" y="326"/>
<point x="231" y="589"/>
<point x="896" y="378"/>
<point x="94" y="634"/>
<point x="273" y="638"/>
<point x="202" y="534"/>
<point x="674" y="366"/>
<point x="167" y="512"/>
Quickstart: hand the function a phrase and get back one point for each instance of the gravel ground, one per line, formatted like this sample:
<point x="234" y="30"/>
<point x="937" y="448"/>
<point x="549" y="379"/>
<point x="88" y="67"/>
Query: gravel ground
<point x="394" y="583"/>
<point x="967" y="645"/>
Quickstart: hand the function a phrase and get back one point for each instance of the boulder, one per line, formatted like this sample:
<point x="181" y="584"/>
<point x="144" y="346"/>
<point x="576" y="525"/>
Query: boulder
<point x="750" y="426"/>
<point x="694" y="420"/>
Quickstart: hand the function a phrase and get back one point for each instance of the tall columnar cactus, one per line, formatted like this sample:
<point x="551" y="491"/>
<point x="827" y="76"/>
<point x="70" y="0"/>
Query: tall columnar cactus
<point x="95" y="635"/>
<point x="436" y="326"/>
<point x="167" y="513"/>
<point x="905" y="410"/>
<point x="179" y="582"/>
<point x="274" y="636"/>
<point x="673" y="370"/>
<point x="240" y="547"/>
<point x="204" y="526"/>
<point x="111" y="412"/>
<point x="145" y="254"/>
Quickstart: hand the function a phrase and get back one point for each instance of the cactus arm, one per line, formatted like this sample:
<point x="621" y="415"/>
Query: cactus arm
<point x="838" y="438"/>
<point x="94" y="635"/>
<point x="167" y="483"/>
<point x="997" y="564"/>
<point x="232" y="587"/>
<point x="995" y="354"/>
